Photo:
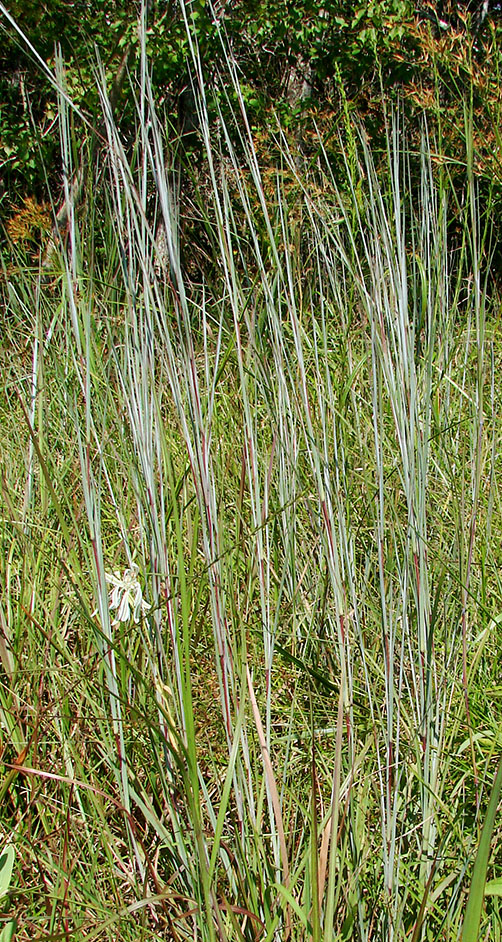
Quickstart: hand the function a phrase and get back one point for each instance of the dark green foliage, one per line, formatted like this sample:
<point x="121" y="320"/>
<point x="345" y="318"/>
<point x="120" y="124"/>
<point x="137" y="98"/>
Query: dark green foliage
<point x="275" y="45"/>
<point x="311" y="64"/>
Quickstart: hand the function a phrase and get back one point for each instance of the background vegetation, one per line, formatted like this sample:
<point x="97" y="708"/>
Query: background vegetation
<point x="308" y="63"/>
<point x="250" y="569"/>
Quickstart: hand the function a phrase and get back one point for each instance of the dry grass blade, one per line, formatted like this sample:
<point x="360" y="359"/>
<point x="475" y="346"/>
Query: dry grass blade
<point x="328" y="850"/>
<point x="274" y="794"/>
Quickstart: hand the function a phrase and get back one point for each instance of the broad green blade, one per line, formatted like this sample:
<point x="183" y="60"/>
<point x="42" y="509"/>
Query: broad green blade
<point x="472" y="918"/>
<point x="6" y="864"/>
<point x="494" y="887"/>
<point x="8" y="931"/>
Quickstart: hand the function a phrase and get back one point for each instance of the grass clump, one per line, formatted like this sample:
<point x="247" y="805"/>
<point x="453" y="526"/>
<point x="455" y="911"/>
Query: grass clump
<point x="281" y="724"/>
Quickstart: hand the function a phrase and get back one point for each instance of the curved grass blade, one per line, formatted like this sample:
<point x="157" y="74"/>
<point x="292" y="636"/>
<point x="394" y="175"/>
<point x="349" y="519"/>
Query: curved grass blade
<point x="472" y="918"/>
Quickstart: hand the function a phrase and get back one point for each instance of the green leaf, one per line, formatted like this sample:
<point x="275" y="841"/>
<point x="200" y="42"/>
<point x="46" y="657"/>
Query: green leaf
<point x="6" y="865"/>
<point x="8" y="931"/>
<point x="494" y="887"/>
<point x="472" y="918"/>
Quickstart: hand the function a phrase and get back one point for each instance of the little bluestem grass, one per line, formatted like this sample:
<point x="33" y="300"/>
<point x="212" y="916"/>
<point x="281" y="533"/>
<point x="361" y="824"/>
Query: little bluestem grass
<point x="250" y="579"/>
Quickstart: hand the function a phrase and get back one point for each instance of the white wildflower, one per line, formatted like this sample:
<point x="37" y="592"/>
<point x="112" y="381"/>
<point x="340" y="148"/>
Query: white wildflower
<point x="126" y="595"/>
